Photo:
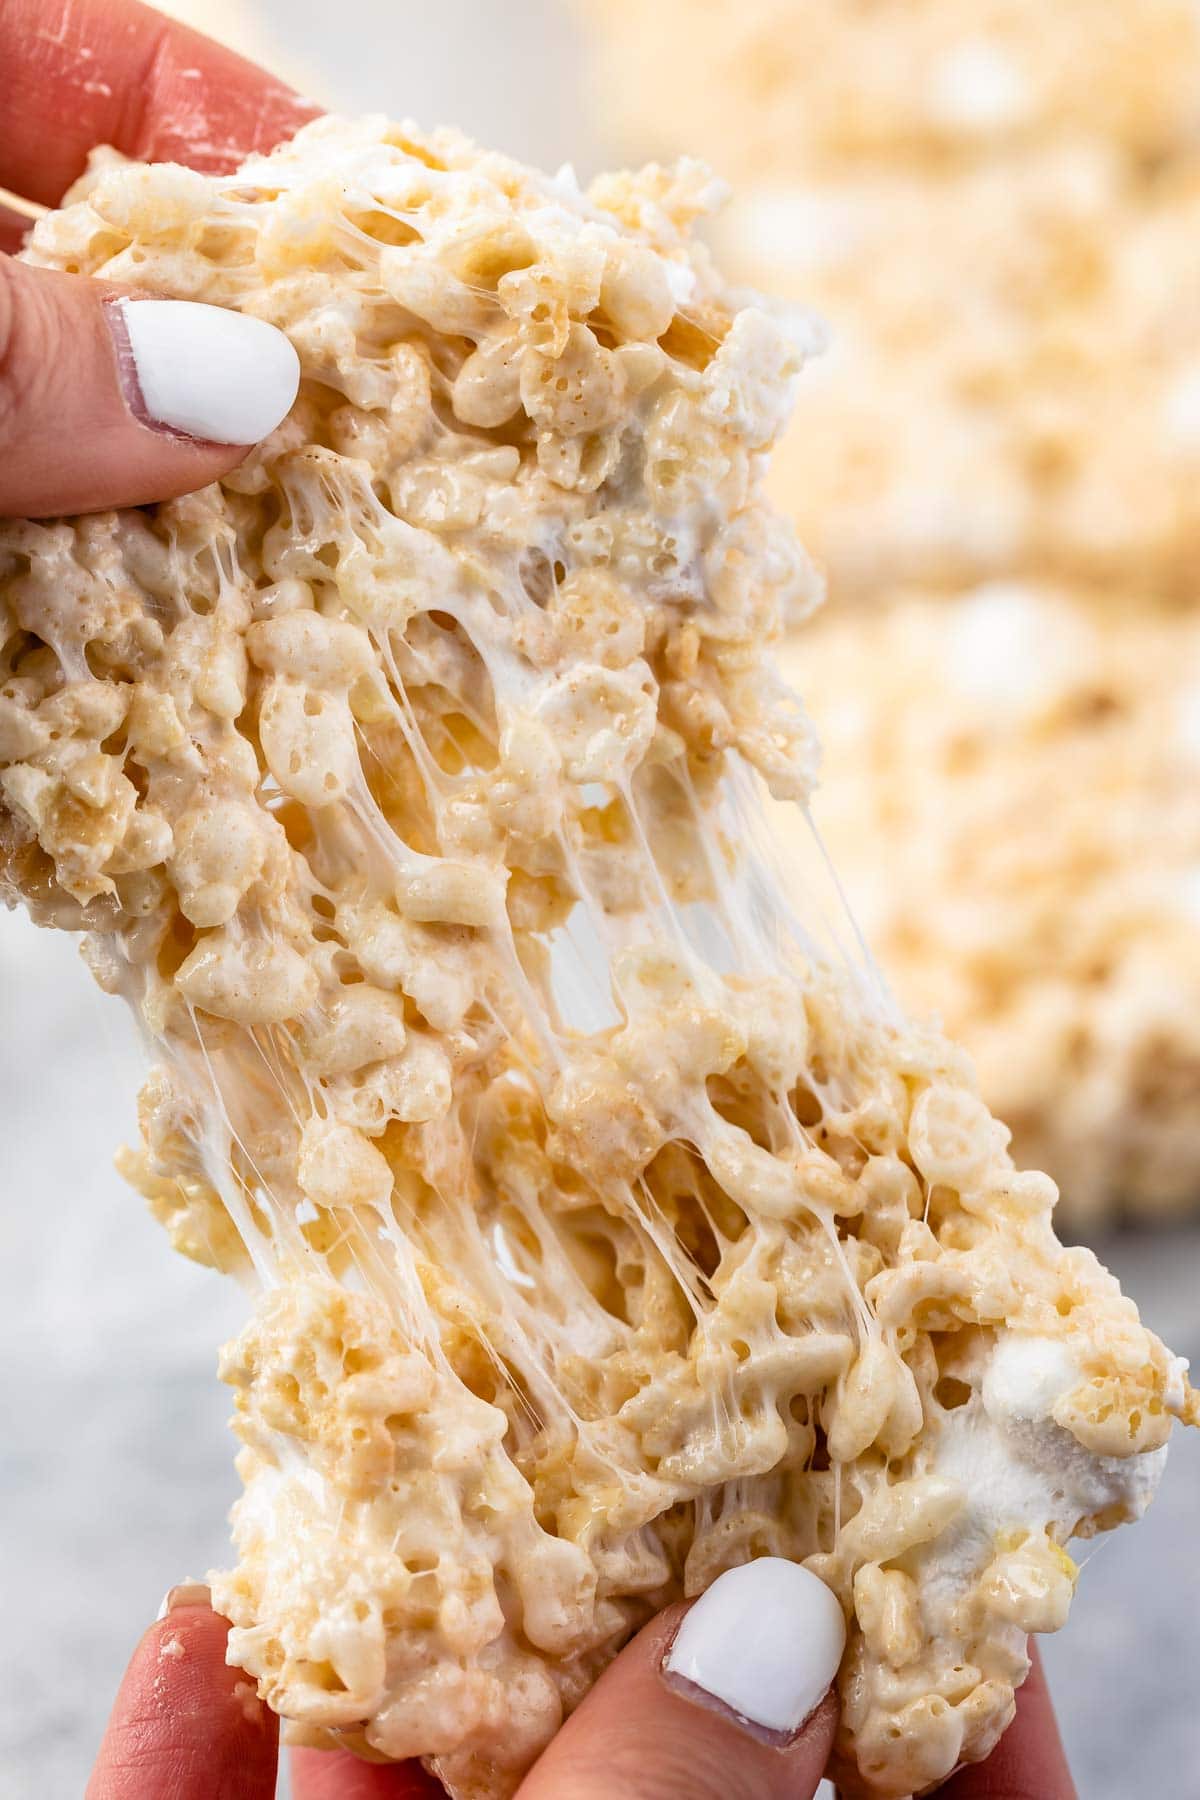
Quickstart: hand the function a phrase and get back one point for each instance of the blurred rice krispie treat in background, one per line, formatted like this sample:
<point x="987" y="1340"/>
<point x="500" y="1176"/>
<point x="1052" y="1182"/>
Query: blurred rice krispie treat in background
<point x="1013" y="379"/>
<point x="1013" y="809"/>
<point x="995" y="206"/>
<point x="803" y="88"/>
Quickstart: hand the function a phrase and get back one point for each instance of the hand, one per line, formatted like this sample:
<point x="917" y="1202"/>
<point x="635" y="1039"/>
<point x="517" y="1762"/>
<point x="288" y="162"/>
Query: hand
<point x="187" y="1727"/>
<point x="102" y="403"/>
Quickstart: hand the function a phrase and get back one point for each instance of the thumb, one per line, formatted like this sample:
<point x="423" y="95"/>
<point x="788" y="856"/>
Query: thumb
<point x="111" y="400"/>
<point x="726" y="1701"/>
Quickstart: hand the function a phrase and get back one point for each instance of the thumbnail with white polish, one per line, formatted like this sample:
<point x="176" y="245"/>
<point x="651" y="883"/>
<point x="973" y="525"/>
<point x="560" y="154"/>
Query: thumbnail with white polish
<point x="209" y="372"/>
<point x="766" y="1639"/>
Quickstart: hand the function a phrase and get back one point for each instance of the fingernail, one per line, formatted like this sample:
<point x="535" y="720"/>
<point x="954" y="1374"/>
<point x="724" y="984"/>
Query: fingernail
<point x="187" y="1593"/>
<point x="204" y="370"/>
<point x="765" y="1639"/>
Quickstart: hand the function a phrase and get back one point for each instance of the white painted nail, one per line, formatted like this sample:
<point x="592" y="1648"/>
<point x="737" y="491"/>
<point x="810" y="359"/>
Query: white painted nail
<point x="184" y="1593"/>
<point x="204" y="370"/>
<point x="766" y="1639"/>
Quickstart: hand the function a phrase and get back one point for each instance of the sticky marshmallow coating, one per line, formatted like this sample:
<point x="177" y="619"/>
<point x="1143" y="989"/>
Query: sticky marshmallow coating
<point x="1010" y="800"/>
<point x="604" y="1230"/>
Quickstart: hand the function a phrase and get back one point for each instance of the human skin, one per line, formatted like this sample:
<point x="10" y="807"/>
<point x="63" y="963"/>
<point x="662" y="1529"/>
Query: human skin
<point x="73" y="76"/>
<point x="185" y="1726"/>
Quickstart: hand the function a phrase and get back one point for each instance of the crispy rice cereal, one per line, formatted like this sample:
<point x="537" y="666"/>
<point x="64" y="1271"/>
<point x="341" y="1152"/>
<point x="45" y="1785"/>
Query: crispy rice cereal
<point x="1011" y="801"/>
<point x="603" y="1230"/>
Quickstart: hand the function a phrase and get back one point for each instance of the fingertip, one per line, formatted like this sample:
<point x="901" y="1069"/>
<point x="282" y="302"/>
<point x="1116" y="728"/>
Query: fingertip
<point x="186" y="1726"/>
<point x="765" y="1640"/>
<point x="168" y="94"/>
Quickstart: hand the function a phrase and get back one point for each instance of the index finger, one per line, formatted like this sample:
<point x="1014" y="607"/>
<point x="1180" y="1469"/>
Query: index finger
<point x="76" y="73"/>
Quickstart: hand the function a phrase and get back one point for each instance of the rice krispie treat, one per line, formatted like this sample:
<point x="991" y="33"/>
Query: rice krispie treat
<point x="604" y="1225"/>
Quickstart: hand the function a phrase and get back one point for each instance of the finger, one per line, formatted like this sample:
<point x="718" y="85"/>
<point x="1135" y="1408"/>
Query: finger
<point x="739" y="1710"/>
<point x="340" y="1775"/>
<point x="76" y="73"/>
<point x="110" y="402"/>
<point x="185" y="1726"/>
<point x="1029" y="1762"/>
<point x="13" y="226"/>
